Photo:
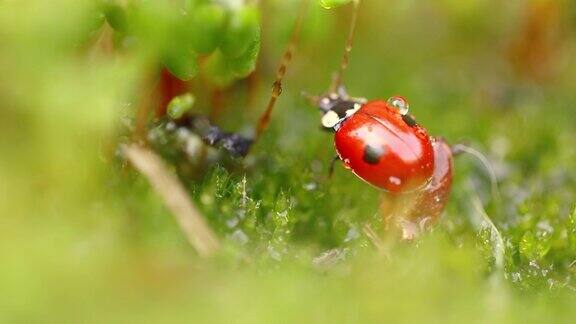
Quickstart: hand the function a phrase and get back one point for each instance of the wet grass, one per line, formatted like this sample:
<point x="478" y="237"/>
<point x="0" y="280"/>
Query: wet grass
<point x="85" y="238"/>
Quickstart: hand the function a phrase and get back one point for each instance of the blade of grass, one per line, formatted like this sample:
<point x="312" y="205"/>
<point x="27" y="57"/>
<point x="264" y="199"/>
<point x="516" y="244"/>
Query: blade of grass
<point x="496" y="237"/>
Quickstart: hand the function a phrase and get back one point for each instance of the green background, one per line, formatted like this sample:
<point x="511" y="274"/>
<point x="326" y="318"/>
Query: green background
<point x="83" y="237"/>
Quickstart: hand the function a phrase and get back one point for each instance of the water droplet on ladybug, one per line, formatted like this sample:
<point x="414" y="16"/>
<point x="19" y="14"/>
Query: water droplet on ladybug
<point x="401" y="104"/>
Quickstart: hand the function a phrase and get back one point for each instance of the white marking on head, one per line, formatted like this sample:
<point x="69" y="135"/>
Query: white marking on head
<point x="330" y="119"/>
<point x="352" y="111"/>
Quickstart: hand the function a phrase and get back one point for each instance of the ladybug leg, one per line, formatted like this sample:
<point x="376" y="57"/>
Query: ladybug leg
<point x="335" y="159"/>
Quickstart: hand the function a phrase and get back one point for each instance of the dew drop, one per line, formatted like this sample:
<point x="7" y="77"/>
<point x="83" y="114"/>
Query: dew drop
<point x="274" y="253"/>
<point x="311" y="186"/>
<point x="401" y="104"/>
<point x="516" y="276"/>
<point x="206" y="199"/>
<point x="239" y="237"/>
<point x="352" y="235"/>
<point x="232" y="222"/>
<point x="170" y="126"/>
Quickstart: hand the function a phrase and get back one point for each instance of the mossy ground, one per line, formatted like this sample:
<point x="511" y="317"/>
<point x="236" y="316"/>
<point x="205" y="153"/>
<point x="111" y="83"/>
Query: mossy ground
<point x="85" y="238"/>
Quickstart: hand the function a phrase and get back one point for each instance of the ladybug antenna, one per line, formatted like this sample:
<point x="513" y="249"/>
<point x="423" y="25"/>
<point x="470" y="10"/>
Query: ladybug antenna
<point x="458" y="149"/>
<point x="339" y="76"/>
<point x="264" y="121"/>
<point x="312" y="99"/>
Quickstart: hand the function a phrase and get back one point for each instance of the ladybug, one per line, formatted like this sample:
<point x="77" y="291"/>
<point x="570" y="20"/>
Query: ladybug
<point x="383" y="144"/>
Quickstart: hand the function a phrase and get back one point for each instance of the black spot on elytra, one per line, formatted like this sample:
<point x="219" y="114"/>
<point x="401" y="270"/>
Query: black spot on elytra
<point x="372" y="154"/>
<point x="409" y="120"/>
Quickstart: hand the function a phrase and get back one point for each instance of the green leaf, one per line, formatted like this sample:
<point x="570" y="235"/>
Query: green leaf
<point x="205" y="27"/>
<point x="90" y="28"/>
<point x="534" y="247"/>
<point x="222" y="70"/>
<point x="329" y="4"/>
<point x="181" y="63"/>
<point x="245" y="64"/>
<point x="179" y="105"/>
<point x="116" y="17"/>
<point x="218" y="70"/>
<point x="155" y="25"/>
<point x="243" y="28"/>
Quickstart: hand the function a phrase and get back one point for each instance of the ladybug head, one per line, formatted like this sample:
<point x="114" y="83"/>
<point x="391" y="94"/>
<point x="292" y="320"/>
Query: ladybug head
<point x="336" y="107"/>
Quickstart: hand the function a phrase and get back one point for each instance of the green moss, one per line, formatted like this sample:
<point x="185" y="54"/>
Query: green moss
<point x="84" y="238"/>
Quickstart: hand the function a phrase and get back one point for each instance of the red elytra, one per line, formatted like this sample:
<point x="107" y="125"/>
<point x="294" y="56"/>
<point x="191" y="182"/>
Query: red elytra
<point x="386" y="148"/>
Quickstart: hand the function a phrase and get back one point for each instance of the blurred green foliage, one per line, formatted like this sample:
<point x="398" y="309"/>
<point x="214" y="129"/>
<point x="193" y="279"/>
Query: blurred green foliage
<point x="179" y="105"/>
<point x="329" y="4"/>
<point x="83" y="237"/>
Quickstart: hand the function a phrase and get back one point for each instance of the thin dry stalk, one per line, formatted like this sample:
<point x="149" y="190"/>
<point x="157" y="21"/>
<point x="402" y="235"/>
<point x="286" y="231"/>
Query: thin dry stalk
<point x="167" y="185"/>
